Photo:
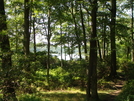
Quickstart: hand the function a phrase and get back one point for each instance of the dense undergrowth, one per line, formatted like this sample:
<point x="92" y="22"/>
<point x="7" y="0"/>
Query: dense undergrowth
<point x="127" y="93"/>
<point x="29" y="84"/>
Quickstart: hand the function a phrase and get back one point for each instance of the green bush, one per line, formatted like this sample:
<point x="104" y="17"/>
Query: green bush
<point x="29" y="97"/>
<point x="73" y="74"/>
<point x="60" y="76"/>
<point x="103" y="69"/>
<point x="127" y="93"/>
<point x="128" y="69"/>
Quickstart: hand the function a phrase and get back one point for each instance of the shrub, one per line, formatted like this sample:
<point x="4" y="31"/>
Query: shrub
<point x="103" y="69"/>
<point x="29" y="97"/>
<point x="128" y="69"/>
<point x="127" y="93"/>
<point x="60" y="76"/>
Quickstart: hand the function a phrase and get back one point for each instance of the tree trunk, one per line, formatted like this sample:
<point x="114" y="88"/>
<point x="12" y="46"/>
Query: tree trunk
<point x="34" y="37"/>
<point x="84" y="41"/>
<point x="84" y="33"/>
<point x="8" y="85"/>
<point x="132" y="33"/>
<point x="104" y="39"/>
<point x="48" y="49"/>
<point x="112" y="36"/>
<point x="26" y="27"/>
<point x="61" y="41"/>
<point x="99" y="49"/>
<point x="33" y="26"/>
<point x="92" y="94"/>
<point x="76" y="32"/>
<point x="17" y="35"/>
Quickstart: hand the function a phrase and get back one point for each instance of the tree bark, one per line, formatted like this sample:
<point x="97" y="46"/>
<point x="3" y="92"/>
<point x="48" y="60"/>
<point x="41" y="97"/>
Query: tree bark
<point x="92" y="94"/>
<point x="48" y="48"/>
<point x="99" y="49"/>
<point x="61" y="45"/>
<point x="26" y="27"/>
<point x="33" y="26"/>
<point x="104" y="39"/>
<point x="76" y="32"/>
<point x="84" y="33"/>
<point x="8" y="85"/>
<point x="112" y="37"/>
<point x="132" y="26"/>
<point x="34" y="37"/>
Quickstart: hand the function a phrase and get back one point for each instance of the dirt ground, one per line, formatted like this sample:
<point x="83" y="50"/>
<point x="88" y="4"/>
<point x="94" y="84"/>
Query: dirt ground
<point x="112" y="95"/>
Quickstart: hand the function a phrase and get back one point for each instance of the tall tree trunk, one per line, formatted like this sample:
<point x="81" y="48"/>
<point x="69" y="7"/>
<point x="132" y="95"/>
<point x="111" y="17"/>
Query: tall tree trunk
<point x="33" y="26"/>
<point x="78" y="40"/>
<point x="112" y="37"/>
<point x="84" y="41"/>
<point x="48" y="48"/>
<point x="8" y="85"/>
<point x="26" y="39"/>
<point x="128" y="52"/>
<point x="61" y="40"/>
<point x="84" y="33"/>
<point x="99" y="49"/>
<point x="132" y="26"/>
<point x="17" y="35"/>
<point x="65" y="52"/>
<point x="76" y="32"/>
<point x="104" y="39"/>
<point x="69" y="44"/>
<point x="92" y="94"/>
<point x="34" y="37"/>
<point x="26" y="27"/>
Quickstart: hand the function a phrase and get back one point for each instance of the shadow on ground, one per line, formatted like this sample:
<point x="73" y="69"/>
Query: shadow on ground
<point x="63" y="96"/>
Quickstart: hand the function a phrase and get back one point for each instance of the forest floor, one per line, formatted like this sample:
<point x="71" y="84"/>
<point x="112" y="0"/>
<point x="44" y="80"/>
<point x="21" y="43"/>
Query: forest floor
<point x="75" y="95"/>
<point x="115" y="90"/>
<point x="107" y="94"/>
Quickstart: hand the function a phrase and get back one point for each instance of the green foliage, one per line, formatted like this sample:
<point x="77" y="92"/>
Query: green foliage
<point x="128" y="69"/>
<point x="70" y="75"/>
<point x="64" y="96"/>
<point x="29" y="97"/>
<point x="127" y="93"/>
<point x="0" y="96"/>
<point x="77" y="71"/>
<point x="29" y="73"/>
<point x="72" y="95"/>
<point x="61" y="77"/>
<point x="103" y="67"/>
<point x="103" y="84"/>
<point x="23" y="73"/>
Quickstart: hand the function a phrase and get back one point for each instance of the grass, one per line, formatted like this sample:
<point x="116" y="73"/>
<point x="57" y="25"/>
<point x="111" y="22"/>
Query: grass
<point x="61" y="95"/>
<point x="0" y="96"/>
<point x="103" y="94"/>
<point x="66" y="95"/>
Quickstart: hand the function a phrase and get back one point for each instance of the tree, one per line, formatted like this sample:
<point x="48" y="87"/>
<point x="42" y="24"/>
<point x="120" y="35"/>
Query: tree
<point x="84" y="32"/>
<point x="112" y="38"/>
<point x="73" y="11"/>
<point x="26" y="27"/>
<point x="33" y="27"/>
<point x="92" y="94"/>
<point x="8" y="85"/>
<point x="132" y="25"/>
<point x="48" y="46"/>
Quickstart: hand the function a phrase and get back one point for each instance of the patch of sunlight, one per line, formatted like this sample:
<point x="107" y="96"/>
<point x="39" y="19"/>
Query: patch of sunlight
<point x="65" y="91"/>
<point x="106" y="91"/>
<point x="63" y="95"/>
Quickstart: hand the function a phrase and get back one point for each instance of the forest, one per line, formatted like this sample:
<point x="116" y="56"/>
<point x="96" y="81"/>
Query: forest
<point x="66" y="50"/>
